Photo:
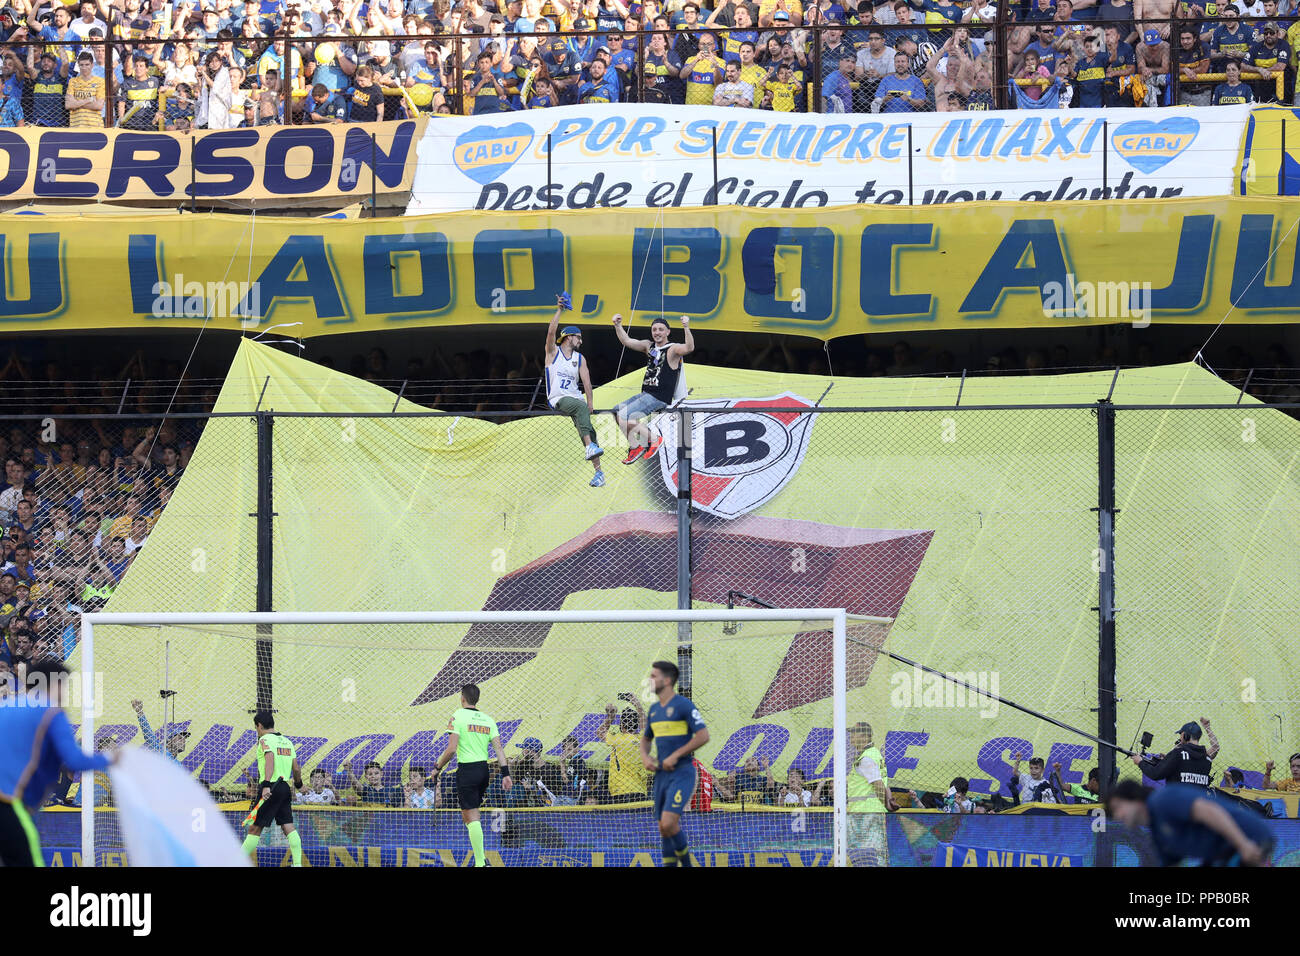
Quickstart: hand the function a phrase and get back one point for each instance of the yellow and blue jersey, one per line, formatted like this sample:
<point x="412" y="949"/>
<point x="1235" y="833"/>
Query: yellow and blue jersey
<point x="671" y="725"/>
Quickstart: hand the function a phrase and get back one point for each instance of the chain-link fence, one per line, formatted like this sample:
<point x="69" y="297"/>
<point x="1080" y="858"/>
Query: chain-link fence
<point x="1055" y="574"/>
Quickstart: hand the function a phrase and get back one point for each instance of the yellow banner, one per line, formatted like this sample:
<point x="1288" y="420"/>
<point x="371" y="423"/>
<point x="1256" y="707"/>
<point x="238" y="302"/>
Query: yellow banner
<point x="973" y="531"/>
<point x="279" y="164"/>
<point x="818" y="272"/>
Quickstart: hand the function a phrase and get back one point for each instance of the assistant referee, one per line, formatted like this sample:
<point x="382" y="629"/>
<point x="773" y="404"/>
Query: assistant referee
<point x="471" y="732"/>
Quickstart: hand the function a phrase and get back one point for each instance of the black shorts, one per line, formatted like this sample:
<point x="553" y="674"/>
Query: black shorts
<point x="472" y="781"/>
<point x="17" y="840"/>
<point x="278" y="806"/>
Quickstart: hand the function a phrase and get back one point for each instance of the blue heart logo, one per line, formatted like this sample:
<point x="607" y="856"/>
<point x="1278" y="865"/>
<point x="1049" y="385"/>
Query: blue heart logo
<point x="485" y="152"/>
<point x="1149" y="144"/>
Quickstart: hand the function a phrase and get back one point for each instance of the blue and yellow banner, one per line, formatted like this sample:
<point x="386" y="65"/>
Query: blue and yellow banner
<point x="955" y="854"/>
<point x="1270" y="153"/>
<point x="270" y="164"/>
<point x="821" y="273"/>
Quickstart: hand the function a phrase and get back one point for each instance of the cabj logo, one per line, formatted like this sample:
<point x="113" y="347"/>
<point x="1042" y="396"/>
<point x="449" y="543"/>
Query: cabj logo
<point x="485" y="152"/>
<point x="1147" y="145"/>
<point x="742" y="459"/>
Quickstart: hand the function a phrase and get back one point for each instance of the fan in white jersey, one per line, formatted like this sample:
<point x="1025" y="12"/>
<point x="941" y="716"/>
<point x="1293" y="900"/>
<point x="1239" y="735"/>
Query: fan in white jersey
<point x="568" y="386"/>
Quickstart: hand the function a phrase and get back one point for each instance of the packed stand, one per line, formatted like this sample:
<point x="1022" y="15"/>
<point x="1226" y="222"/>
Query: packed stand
<point x="218" y="64"/>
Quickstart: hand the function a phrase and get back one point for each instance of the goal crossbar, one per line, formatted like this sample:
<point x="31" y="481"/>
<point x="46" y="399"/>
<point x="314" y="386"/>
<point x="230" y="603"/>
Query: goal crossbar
<point x="837" y="617"/>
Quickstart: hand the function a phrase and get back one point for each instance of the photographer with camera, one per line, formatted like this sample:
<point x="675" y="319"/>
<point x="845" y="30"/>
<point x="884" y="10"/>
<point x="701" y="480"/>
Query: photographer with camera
<point x="1188" y="762"/>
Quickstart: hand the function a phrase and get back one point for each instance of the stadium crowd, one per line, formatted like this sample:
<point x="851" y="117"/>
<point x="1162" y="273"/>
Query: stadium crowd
<point x="218" y="64"/>
<point x="563" y="776"/>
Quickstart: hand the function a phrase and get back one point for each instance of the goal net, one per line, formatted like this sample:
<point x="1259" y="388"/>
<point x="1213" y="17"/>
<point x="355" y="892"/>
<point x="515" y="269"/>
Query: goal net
<point x="367" y="697"/>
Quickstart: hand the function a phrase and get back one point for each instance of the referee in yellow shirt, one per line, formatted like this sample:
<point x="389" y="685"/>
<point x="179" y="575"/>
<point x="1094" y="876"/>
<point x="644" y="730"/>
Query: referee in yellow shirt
<point x="622" y="734"/>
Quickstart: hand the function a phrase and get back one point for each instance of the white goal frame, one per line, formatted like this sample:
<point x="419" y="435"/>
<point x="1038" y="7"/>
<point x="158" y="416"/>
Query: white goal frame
<point x="838" y="618"/>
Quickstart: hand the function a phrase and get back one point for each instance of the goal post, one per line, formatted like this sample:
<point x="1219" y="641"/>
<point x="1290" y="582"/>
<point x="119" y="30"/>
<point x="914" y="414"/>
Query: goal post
<point x="516" y="667"/>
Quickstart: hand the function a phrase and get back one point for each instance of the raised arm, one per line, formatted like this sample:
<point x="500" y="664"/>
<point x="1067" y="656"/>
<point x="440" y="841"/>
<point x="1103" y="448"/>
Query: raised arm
<point x="689" y="345"/>
<point x="1213" y="749"/>
<point x="636" y="345"/>
<point x="152" y="740"/>
<point x="551" y="330"/>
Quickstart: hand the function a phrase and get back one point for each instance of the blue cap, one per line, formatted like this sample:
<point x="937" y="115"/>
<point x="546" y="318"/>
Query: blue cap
<point x="568" y="330"/>
<point x="1191" y="729"/>
<point x="1151" y="37"/>
<point x="531" y="744"/>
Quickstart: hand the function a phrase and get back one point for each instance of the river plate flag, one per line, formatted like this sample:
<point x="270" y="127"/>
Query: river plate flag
<point x="167" y="817"/>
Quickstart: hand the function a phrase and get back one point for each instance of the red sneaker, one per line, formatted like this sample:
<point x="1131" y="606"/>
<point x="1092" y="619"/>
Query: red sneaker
<point x="634" y="454"/>
<point x="654" y="447"/>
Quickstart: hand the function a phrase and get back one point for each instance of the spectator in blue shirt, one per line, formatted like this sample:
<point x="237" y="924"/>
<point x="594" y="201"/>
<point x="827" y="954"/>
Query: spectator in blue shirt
<point x="486" y="89"/>
<point x="11" y="109"/>
<point x="1233" y="91"/>
<point x="1090" y="73"/>
<point x="946" y="12"/>
<point x="601" y="88"/>
<point x="1228" y="40"/>
<point x="837" y="91"/>
<point x="1047" y="46"/>
<point x="900" y="92"/>
<point x="176" y="739"/>
<point x="325" y="107"/>
<point x="1123" y="63"/>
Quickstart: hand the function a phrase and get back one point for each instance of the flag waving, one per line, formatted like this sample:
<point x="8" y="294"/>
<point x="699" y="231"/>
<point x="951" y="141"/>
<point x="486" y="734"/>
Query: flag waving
<point x="167" y="817"/>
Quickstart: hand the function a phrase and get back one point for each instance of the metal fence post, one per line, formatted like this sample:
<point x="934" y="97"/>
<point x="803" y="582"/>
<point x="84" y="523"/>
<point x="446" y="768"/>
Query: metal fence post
<point x="265" y="515"/>
<point x="685" y="425"/>
<point x="1107" y="709"/>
